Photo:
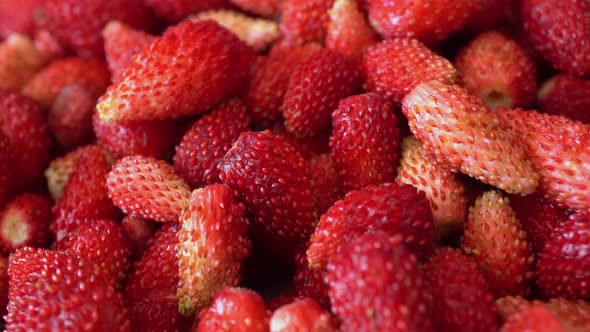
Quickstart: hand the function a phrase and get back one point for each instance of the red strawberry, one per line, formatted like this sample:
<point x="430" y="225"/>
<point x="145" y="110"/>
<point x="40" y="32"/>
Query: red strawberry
<point x="457" y="129"/>
<point x="541" y="317"/>
<point x="509" y="305"/>
<point x="349" y="31"/>
<point x="310" y="282"/>
<point x="137" y="231"/>
<point x="121" y="42"/>
<point x="308" y="146"/>
<point x="70" y="117"/>
<point x="19" y="61"/>
<point x="365" y="141"/>
<point x="17" y="16"/>
<point x="236" y="310"/>
<point x="192" y="67"/>
<point x="176" y="10"/>
<point x="314" y="89"/>
<point x="267" y="8"/>
<point x="564" y="261"/>
<point x="391" y="294"/>
<point x="566" y="95"/>
<point x="46" y="85"/>
<point x="4" y="285"/>
<point x="487" y="14"/>
<point x="495" y="239"/>
<point x="48" y="46"/>
<point x="269" y="175"/>
<point x="149" y="188"/>
<point x="324" y="180"/>
<point x="7" y="172"/>
<point x="495" y="68"/>
<point x="78" y="24"/>
<point x="461" y="298"/>
<point x="24" y="221"/>
<point x="305" y="21"/>
<point x="302" y="315"/>
<point x="388" y="208"/>
<point x="58" y="290"/>
<point x="394" y="67"/>
<point x="203" y="146"/>
<point x="271" y="78"/>
<point x="559" y="31"/>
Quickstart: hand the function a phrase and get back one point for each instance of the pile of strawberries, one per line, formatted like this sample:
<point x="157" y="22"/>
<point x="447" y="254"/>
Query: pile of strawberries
<point x="295" y="165"/>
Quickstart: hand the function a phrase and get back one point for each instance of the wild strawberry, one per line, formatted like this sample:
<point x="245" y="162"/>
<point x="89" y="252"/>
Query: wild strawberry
<point x="394" y="67"/>
<point x="234" y="309"/>
<point x="4" y="285"/>
<point x="365" y="141"/>
<point x="310" y="282"/>
<point x="305" y="21"/>
<point x="460" y="294"/>
<point x="18" y="16"/>
<point x="566" y="95"/>
<point x="24" y="221"/>
<point x="556" y="316"/>
<point x="203" y="146"/>
<point x="176" y="10"/>
<point x="70" y="117"/>
<point x="149" y="188"/>
<point x="269" y="175"/>
<point x="121" y="42"/>
<point x="266" y="8"/>
<point x="324" y="180"/>
<point x="66" y="293"/>
<point x="495" y="68"/>
<point x="302" y="315"/>
<point x="457" y="129"/>
<point x="388" y="297"/>
<point x="314" y="89"/>
<point x="19" y="61"/>
<point x="89" y="73"/>
<point x="308" y="146"/>
<point x="444" y="189"/>
<point x="388" y="208"/>
<point x="559" y="31"/>
<point x="208" y="64"/>
<point x="137" y="232"/>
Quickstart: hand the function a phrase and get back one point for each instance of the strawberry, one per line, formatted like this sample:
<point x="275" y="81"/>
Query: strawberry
<point x="17" y="16"/>
<point x="388" y="208"/>
<point x="48" y="45"/>
<point x="176" y="10"/>
<point x="563" y="263"/>
<point x="236" y="310"/>
<point x="349" y="31"/>
<point x="269" y="175"/>
<point x="314" y="89"/>
<point x="324" y="180"/>
<point x="258" y="33"/>
<point x="394" y="67"/>
<point x="70" y="117"/>
<point x="213" y="244"/>
<point x="509" y="305"/>
<point x="462" y="300"/>
<point x="192" y="67"/>
<point x="305" y="21"/>
<point x="78" y="24"/>
<point x="497" y="69"/>
<point x="149" y="188"/>
<point x="121" y="42"/>
<point x="308" y="146"/>
<point x="89" y="73"/>
<point x="560" y="150"/>
<point x="24" y="221"/>
<point x="556" y="317"/>
<point x="559" y="31"/>
<point x="148" y="138"/>
<point x="19" y="61"/>
<point x="566" y="95"/>
<point x="7" y="171"/>
<point x="137" y="232"/>
<point x="310" y="282"/>
<point x="302" y="315"/>
<point x="203" y="146"/>
<point x="271" y="78"/>
<point x="266" y="8"/>
<point x="486" y="14"/>
<point x="457" y="129"/>
<point x="4" y="285"/>
<point x="365" y="141"/>
<point x="495" y="239"/>
<point x="389" y="297"/>
<point x="444" y="189"/>
<point x="282" y="299"/>
<point x="58" y="290"/>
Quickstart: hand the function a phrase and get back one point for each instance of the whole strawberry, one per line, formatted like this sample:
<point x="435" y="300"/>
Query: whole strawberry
<point x="305" y="21"/>
<point x="566" y="95"/>
<point x="70" y="117"/>
<point x="24" y="221"/>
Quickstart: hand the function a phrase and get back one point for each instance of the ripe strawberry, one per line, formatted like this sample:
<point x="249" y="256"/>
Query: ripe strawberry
<point x="19" y="61"/>
<point x="176" y="10"/>
<point x="558" y="317"/>
<point x="498" y="70"/>
<point x="46" y="85"/>
<point x="563" y="264"/>
<point x="149" y="188"/>
<point x="192" y="67"/>
<point x="203" y="146"/>
<point x="309" y="282"/>
<point x="349" y="31"/>
<point x="495" y="239"/>
<point x="78" y="24"/>
<point x="269" y="175"/>
<point x="394" y="67"/>
<point x="559" y="31"/>
<point x="461" y="298"/>
<point x="121" y="42"/>
<point x="305" y="21"/>
<point x="236" y="310"/>
<point x="365" y="141"/>
<point x="4" y="285"/>
<point x="7" y="172"/>
<point x="53" y="289"/>
<point x="48" y="45"/>
<point x="137" y="231"/>
<point x="486" y="15"/>
<point x="70" y="117"/>
<point x="308" y="146"/>
<point x="266" y="8"/>
<point x="566" y="95"/>
<point x="271" y="78"/>
<point x="324" y="180"/>
<point x="509" y="305"/>
<point x="457" y="129"/>
<point x="314" y="89"/>
<point x="444" y="189"/>
<point x="388" y="208"/>
<point x="17" y="16"/>
<point x="388" y="297"/>
<point x="24" y="221"/>
<point x="302" y="315"/>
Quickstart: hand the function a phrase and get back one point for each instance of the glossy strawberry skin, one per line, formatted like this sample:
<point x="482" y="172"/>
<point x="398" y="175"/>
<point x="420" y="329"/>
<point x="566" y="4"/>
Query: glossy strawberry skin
<point x="302" y="315"/>
<point x="121" y="42"/>
<point x="566" y="95"/>
<point x="305" y="21"/>
<point x="24" y="221"/>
